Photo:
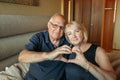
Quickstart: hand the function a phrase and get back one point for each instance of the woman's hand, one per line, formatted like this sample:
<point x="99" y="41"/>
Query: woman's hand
<point x="80" y="58"/>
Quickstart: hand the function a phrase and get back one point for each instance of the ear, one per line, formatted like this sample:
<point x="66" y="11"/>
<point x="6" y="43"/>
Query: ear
<point x="48" y="24"/>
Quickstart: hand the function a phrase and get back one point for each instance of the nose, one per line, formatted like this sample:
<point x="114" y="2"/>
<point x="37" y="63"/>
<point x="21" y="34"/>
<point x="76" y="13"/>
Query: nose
<point x="74" y="35"/>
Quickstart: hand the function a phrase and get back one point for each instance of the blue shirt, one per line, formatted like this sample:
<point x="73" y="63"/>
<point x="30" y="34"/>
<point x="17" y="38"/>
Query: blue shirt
<point x="49" y="69"/>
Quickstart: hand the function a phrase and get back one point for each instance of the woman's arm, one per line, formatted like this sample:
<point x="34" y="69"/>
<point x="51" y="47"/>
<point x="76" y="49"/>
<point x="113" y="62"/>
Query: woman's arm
<point x="105" y="67"/>
<point x="103" y="72"/>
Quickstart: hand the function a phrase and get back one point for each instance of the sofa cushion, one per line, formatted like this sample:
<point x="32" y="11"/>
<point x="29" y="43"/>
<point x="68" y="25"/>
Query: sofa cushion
<point x="8" y="61"/>
<point x="19" y="24"/>
<point x="15" y="31"/>
<point x="10" y="46"/>
<point x="115" y="61"/>
<point x="15" y="72"/>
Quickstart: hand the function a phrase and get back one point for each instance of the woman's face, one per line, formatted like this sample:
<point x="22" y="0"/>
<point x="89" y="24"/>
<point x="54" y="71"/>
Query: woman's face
<point x="74" y="35"/>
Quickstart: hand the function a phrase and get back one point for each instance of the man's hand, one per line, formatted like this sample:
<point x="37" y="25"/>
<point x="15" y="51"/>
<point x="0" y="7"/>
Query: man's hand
<point x="57" y="53"/>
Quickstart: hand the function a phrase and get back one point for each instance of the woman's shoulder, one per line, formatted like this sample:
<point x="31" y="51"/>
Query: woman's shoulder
<point x="91" y="47"/>
<point x="100" y="52"/>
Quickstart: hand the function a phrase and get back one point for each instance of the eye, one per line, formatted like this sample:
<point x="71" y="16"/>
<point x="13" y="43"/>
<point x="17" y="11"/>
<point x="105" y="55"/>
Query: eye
<point x="69" y="33"/>
<point x="62" y="27"/>
<point x="55" y="25"/>
<point x="77" y="30"/>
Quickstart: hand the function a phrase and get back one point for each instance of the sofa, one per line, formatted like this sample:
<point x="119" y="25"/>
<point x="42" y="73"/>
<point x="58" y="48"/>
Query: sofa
<point x="115" y="61"/>
<point x="15" y="31"/>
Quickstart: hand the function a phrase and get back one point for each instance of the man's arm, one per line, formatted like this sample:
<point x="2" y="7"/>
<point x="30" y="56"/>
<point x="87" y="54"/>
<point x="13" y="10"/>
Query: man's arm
<point x="28" y="56"/>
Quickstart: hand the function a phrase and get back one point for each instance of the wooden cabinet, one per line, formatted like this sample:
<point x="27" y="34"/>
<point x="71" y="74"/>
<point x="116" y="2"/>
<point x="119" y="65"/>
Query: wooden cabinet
<point x="90" y="12"/>
<point x="97" y="16"/>
<point x="108" y="25"/>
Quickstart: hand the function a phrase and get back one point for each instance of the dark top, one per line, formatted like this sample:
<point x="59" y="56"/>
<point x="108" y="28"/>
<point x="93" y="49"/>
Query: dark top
<point x="49" y="69"/>
<point x="75" y="72"/>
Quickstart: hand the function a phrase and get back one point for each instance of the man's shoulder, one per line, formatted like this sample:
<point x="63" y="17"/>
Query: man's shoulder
<point x="39" y="35"/>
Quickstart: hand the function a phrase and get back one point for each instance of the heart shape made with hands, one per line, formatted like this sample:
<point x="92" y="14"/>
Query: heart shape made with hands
<point x="72" y="56"/>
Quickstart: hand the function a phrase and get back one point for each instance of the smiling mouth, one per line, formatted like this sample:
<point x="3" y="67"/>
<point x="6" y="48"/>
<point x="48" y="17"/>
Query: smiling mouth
<point x="75" y="39"/>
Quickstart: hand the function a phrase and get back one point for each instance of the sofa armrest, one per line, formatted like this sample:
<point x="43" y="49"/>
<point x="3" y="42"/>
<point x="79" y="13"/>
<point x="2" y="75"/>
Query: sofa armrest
<point x="115" y="61"/>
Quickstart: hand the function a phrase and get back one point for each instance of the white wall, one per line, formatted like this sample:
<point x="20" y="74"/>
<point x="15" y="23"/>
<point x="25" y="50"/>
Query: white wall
<point x="116" y="40"/>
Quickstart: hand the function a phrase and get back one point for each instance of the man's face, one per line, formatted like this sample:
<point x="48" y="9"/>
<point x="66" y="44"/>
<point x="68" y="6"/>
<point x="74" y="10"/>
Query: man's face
<point x="56" y="28"/>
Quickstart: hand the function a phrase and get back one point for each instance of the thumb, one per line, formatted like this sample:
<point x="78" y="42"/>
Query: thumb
<point x="64" y="59"/>
<point x="71" y="61"/>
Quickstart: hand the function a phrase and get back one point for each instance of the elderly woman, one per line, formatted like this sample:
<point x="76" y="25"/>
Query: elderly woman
<point x="88" y="61"/>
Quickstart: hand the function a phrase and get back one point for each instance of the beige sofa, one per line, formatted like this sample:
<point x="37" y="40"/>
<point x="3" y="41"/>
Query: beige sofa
<point x="115" y="61"/>
<point x="15" y="30"/>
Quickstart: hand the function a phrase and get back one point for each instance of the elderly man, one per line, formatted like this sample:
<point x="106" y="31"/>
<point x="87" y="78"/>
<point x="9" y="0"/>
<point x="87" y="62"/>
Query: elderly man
<point x="46" y="52"/>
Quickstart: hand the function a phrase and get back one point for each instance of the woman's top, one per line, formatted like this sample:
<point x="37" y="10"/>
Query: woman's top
<point x="76" y="72"/>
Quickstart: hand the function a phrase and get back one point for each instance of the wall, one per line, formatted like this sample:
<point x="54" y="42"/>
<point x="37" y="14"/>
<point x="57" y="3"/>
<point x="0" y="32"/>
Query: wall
<point x="46" y="7"/>
<point x="116" y="40"/>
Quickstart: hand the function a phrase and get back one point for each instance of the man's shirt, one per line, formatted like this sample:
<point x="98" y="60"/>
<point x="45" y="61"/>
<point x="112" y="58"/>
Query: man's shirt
<point x="49" y="69"/>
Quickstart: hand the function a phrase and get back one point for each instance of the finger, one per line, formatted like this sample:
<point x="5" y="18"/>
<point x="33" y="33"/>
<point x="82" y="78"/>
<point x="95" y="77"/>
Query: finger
<point x="64" y="59"/>
<point x="71" y="61"/>
<point x="74" y="49"/>
<point x="58" y="57"/>
<point x="66" y="47"/>
<point x="61" y="58"/>
<point x="65" y="50"/>
<point x="62" y="51"/>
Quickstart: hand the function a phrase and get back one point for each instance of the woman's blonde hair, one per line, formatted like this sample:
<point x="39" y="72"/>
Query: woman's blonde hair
<point x="81" y="27"/>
